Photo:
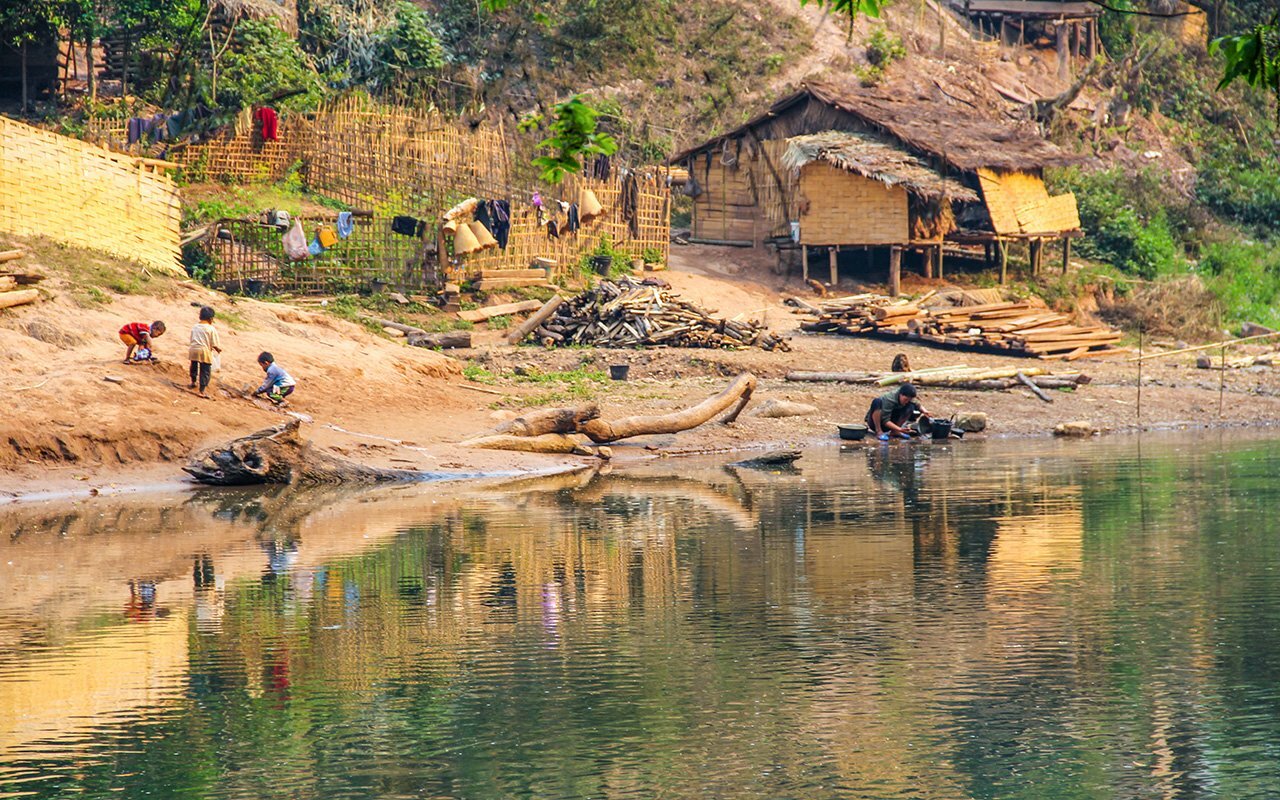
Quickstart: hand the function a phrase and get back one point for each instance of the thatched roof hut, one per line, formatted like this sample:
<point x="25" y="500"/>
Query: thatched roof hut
<point x="872" y="157"/>
<point x="282" y="12"/>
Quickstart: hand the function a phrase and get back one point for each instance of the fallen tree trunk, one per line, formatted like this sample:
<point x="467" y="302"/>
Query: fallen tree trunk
<point x="10" y="255"/>
<point x="551" y="420"/>
<point x="506" y="309"/>
<point x="739" y="392"/>
<point x="540" y="316"/>
<point x="10" y="299"/>
<point x="445" y="341"/>
<point x="543" y="443"/>
<point x="833" y="377"/>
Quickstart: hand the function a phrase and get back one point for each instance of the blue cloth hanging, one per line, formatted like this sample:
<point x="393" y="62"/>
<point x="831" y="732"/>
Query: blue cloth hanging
<point x="314" y="248"/>
<point x="346" y="224"/>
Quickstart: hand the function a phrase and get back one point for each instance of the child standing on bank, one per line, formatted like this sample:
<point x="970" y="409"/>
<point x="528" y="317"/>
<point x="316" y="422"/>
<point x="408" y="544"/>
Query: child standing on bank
<point x="278" y="384"/>
<point x="204" y="344"/>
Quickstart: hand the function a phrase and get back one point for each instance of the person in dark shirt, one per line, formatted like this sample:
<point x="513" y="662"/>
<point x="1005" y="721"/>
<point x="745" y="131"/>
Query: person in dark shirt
<point x="890" y="412"/>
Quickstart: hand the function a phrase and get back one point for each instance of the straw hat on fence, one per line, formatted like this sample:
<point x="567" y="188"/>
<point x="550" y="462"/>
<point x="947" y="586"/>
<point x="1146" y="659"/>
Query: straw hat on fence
<point x="464" y="241"/>
<point x="486" y="240"/>
<point x="588" y="206"/>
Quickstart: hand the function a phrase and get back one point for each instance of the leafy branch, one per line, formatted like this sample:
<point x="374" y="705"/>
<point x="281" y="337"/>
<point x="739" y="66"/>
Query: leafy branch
<point x="847" y="8"/>
<point x="573" y="137"/>
<point x="1253" y="57"/>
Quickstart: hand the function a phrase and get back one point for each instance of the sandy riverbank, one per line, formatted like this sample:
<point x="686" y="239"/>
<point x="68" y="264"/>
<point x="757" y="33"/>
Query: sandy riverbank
<point x="373" y="399"/>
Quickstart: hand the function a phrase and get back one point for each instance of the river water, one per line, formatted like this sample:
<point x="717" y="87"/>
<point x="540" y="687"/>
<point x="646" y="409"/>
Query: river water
<point x="1017" y="619"/>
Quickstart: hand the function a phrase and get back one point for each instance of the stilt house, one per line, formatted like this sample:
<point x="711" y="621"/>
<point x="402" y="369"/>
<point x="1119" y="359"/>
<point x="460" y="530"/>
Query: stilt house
<point x="849" y="168"/>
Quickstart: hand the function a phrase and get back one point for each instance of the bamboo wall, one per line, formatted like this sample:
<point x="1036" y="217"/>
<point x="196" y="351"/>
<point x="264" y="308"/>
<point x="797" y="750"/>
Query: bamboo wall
<point x="751" y="199"/>
<point x="396" y="161"/>
<point x="1019" y="202"/>
<point x="839" y="207"/>
<point x="77" y="193"/>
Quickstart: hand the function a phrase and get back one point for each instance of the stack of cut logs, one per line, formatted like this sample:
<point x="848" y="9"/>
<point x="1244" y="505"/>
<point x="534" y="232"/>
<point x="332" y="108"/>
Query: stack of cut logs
<point x="1018" y="327"/>
<point x="10" y="281"/>
<point x="641" y="314"/>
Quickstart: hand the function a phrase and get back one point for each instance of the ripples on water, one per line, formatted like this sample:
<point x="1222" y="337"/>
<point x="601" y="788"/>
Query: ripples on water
<point x="1017" y="619"/>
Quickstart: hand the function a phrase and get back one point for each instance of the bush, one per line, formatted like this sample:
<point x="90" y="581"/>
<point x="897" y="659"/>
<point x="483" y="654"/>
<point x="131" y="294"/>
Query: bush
<point x="1246" y="278"/>
<point x="266" y="62"/>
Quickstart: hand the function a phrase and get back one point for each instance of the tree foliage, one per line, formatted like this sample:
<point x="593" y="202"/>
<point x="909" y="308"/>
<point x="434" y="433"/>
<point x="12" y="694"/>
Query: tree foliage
<point x="574" y="136"/>
<point x="1253" y="57"/>
<point x="850" y="9"/>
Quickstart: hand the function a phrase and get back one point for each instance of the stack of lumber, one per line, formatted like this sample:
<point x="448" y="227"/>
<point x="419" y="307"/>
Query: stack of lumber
<point x="489" y="280"/>
<point x="642" y="314"/>
<point x="1016" y="327"/>
<point x="11" y="279"/>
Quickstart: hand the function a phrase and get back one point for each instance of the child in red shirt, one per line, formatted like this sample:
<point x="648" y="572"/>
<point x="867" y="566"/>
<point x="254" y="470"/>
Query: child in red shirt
<point x="137" y="335"/>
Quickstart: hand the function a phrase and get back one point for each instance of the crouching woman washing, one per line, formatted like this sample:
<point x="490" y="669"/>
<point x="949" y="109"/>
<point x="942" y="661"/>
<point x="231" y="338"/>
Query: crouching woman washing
<point x="891" y="412"/>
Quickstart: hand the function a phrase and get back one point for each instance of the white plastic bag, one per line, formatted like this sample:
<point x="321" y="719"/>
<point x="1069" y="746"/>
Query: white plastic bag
<point x="215" y="363"/>
<point x="295" y="242"/>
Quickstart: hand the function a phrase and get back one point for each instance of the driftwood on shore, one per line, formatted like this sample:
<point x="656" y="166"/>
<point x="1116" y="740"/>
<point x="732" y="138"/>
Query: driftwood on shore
<point x="552" y="430"/>
<point x="417" y="337"/>
<point x="958" y="377"/>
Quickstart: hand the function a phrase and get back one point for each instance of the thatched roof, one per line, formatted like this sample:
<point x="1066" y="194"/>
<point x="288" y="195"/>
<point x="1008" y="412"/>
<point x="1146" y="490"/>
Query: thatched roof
<point x="874" y="158"/>
<point x="952" y="133"/>
<point x="282" y="11"/>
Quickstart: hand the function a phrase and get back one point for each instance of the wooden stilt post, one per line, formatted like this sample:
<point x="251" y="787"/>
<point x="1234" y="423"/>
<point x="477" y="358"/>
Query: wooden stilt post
<point x="895" y="271"/>
<point x="804" y="262"/>
<point x="926" y="255"/>
<point x="832" y="256"/>
<point x="1003" y="257"/>
<point x="1222" y="380"/>
<point x="940" y="272"/>
<point x="1066" y="254"/>
<point x="1036" y="248"/>
<point x="1064" y="59"/>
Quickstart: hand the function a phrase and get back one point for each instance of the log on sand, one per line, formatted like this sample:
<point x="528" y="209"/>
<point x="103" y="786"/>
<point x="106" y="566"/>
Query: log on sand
<point x="739" y="393"/>
<point x="544" y="443"/>
<point x="550" y="431"/>
<point x="551" y="420"/>
<point x="540" y="316"/>
<point x="444" y="341"/>
<point x="10" y="299"/>
<point x="10" y="255"/>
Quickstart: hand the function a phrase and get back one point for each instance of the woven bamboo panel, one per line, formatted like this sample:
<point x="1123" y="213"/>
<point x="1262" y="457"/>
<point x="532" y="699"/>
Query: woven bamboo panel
<point x="839" y="207"/>
<point x="250" y="256"/>
<point x="77" y="193"/>
<point x="1057" y="213"/>
<point x="1006" y="192"/>
<point x="244" y="157"/>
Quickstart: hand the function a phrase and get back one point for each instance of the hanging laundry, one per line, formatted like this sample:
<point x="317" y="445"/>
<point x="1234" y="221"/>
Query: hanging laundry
<point x="483" y="214"/>
<point x="537" y="207"/>
<point x="501" y="228"/>
<point x="244" y="121"/>
<point x="327" y="236"/>
<point x="553" y="230"/>
<point x="630" y="202"/>
<point x="295" y="242"/>
<point x="315" y="247"/>
<point x="408" y="226"/>
<point x="133" y="130"/>
<point x="157" y="127"/>
<point x="573" y="224"/>
<point x="346" y="224"/>
<point x="266" y="117"/>
<point x="601" y="168"/>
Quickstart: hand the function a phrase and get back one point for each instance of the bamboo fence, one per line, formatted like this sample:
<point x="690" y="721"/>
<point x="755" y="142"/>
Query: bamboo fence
<point x="390" y="160"/>
<point x="76" y="193"/>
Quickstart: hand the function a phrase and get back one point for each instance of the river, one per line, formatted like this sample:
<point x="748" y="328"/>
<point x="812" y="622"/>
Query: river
<point x="1000" y="619"/>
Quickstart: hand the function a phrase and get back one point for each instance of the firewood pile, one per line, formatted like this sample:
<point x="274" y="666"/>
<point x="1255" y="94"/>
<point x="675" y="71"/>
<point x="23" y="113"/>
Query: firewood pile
<point x="645" y="314"/>
<point x="1017" y="327"/>
<point x="15" y="286"/>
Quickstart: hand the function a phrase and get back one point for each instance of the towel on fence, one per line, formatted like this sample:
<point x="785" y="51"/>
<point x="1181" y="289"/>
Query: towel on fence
<point x="483" y="214"/>
<point x="553" y="230"/>
<point x="295" y="242"/>
<point x="346" y="224"/>
<point x="501" y="213"/>
<point x="631" y="203"/>
<point x="266" y="116"/>
<point x="408" y="226"/>
<point x="574" y="223"/>
<point x="315" y="248"/>
<point x="133" y="130"/>
<point x="601" y="168"/>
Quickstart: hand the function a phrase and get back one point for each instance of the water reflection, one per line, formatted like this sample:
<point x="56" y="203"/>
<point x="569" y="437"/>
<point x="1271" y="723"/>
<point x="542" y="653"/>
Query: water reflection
<point x="961" y="620"/>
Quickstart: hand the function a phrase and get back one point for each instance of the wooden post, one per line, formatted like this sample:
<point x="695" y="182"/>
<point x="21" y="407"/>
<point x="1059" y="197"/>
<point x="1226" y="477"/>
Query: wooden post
<point x="1064" y="60"/>
<point x="926" y="255"/>
<point x="1222" y="379"/>
<point x="1075" y="40"/>
<point x="832" y="256"/>
<point x="1002" y="255"/>
<point x="1066" y="254"/>
<point x="1093" y="40"/>
<point x="1035" y="247"/>
<point x="940" y="272"/>
<point x="895" y="271"/>
<point x="804" y="262"/>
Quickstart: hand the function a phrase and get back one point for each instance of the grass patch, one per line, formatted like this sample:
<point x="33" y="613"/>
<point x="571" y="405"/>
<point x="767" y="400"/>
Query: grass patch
<point x="233" y="319"/>
<point x="478" y="374"/>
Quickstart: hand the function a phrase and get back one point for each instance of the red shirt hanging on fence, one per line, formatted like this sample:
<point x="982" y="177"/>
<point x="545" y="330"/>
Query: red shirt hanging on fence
<point x="270" y="123"/>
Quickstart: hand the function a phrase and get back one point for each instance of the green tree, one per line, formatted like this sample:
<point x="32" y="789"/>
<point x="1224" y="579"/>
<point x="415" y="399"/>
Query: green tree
<point x="25" y="23"/>
<point x="1253" y="57"/>
<point x="849" y="8"/>
<point x="573" y="137"/>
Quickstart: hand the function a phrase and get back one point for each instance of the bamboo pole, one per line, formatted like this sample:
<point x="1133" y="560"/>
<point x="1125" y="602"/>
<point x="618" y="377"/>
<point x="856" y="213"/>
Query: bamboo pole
<point x="1210" y="346"/>
<point x="1222" y="381"/>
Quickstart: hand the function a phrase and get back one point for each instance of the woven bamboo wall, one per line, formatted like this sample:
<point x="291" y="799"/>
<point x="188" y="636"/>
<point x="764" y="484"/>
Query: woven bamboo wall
<point x="244" y="156"/>
<point x="1019" y="203"/>
<point x="838" y="207"/>
<point x="395" y="161"/>
<point x="77" y="193"/>
<point x="726" y="209"/>
<point x="246" y="252"/>
<point x="776" y="188"/>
